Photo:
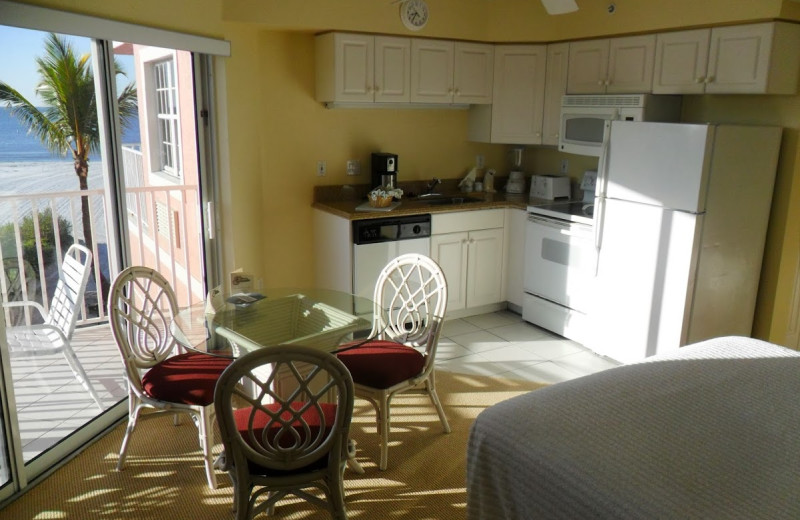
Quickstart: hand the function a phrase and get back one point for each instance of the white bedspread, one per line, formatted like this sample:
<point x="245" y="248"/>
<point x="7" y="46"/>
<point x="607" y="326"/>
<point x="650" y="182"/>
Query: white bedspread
<point x="711" y="433"/>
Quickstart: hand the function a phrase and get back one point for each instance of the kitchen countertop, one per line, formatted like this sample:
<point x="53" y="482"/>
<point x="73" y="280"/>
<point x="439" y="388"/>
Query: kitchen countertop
<point x="343" y="200"/>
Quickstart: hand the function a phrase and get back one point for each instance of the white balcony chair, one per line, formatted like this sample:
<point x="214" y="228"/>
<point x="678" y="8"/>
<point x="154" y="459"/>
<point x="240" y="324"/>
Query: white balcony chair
<point x="399" y="357"/>
<point x="54" y="335"/>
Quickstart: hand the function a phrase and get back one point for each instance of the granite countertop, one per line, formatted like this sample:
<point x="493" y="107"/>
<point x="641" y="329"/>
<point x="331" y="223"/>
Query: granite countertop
<point x="342" y="201"/>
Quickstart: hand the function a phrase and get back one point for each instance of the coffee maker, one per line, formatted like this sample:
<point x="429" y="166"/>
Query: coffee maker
<point x="384" y="170"/>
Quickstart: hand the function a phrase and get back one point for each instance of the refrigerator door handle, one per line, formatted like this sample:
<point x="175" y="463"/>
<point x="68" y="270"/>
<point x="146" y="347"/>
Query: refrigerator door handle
<point x="600" y="192"/>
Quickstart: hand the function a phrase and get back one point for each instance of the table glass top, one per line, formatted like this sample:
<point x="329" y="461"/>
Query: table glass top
<point x="230" y="325"/>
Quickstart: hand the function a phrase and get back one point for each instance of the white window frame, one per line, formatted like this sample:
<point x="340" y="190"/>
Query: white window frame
<point x="166" y="117"/>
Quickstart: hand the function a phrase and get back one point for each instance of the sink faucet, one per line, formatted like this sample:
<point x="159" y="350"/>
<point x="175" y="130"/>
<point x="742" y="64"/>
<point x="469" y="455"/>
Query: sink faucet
<point x="431" y="185"/>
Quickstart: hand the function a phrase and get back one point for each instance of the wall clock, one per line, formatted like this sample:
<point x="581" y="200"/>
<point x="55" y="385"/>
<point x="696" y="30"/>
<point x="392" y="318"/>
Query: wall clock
<point x="414" y="14"/>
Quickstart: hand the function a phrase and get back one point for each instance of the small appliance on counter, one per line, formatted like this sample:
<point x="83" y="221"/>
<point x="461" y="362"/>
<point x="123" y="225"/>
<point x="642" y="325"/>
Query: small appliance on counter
<point x="550" y="187"/>
<point x="384" y="170"/>
<point x="516" y="178"/>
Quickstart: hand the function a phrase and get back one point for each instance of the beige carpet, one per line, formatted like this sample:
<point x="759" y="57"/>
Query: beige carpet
<point x="164" y="478"/>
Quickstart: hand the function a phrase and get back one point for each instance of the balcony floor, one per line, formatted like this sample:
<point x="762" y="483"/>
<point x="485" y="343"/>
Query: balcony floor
<point x="51" y="403"/>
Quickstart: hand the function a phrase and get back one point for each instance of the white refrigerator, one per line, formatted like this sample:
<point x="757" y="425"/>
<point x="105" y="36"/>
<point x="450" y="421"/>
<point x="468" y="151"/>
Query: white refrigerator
<point x="681" y="215"/>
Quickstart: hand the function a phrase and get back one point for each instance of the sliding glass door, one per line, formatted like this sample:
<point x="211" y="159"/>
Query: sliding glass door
<point x="106" y="156"/>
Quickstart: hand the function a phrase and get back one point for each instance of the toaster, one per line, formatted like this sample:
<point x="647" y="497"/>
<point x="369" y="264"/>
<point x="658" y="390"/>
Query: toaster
<point x="550" y="187"/>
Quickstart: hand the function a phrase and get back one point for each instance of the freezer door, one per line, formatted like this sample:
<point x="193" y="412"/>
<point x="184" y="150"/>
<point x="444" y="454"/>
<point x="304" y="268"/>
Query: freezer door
<point x="663" y="164"/>
<point x="643" y="287"/>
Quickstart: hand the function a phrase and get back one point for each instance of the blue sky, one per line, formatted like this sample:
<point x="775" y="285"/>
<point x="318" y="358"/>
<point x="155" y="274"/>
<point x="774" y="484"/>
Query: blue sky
<point x="21" y="47"/>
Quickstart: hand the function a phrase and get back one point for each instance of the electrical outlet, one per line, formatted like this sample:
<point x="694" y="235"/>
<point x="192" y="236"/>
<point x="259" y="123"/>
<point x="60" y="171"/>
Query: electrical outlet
<point x="353" y="167"/>
<point x="322" y="168"/>
<point x="564" y="165"/>
<point x="480" y="161"/>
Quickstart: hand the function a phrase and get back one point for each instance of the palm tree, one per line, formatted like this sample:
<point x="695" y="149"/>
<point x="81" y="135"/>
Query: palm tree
<point x="68" y="121"/>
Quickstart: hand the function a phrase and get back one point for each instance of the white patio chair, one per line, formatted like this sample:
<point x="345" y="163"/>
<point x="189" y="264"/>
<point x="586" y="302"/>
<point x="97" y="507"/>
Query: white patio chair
<point x="54" y="335"/>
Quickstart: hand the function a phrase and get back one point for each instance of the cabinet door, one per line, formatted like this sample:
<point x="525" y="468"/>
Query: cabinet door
<point x="472" y="73"/>
<point x="588" y="67"/>
<point x="554" y="89"/>
<point x="392" y="69"/>
<point x="681" y="62"/>
<point x="354" y="62"/>
<point x="431" y="71"/>
<point x="519" y="76"/>
<point x="485" y="267"/>
<point x="450" y="252"/>
<point x="630" y="64"/>
<point x="738" y="59"/>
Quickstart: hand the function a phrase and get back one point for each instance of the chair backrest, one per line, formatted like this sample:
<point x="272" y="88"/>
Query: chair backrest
<point x="141" y="306"/>
<point x="410" y="302"/>
<point x="67" y="299"/>
<point x="285" y="407"/>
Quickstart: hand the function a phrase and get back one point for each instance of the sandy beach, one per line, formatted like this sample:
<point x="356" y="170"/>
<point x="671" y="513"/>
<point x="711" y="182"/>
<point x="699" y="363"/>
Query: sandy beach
<point x="23" y="182"/>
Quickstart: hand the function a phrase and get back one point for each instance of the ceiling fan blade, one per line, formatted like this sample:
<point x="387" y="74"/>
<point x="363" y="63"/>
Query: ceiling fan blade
<point x="559" y="6"/>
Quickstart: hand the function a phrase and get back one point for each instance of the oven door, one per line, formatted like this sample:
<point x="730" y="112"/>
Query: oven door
<point x="560" y="261"/>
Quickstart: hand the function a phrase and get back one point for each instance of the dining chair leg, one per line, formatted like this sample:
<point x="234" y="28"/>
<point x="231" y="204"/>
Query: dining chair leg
<point x="134" y="406"/>
<point x="352" y="463"/>
<point x="383" y="428"/>
<point x="206" y="433"/>
<point x="430" y="385"/>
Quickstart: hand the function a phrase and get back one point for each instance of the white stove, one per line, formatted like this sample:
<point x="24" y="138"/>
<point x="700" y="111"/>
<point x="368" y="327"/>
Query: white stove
<point x="560" y="263"/>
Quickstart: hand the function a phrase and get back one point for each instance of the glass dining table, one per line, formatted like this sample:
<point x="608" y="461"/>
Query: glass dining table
<point x="232" y="325"/>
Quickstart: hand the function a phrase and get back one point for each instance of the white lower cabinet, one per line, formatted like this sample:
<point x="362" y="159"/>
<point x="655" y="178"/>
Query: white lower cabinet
<point x="469" y="247"/>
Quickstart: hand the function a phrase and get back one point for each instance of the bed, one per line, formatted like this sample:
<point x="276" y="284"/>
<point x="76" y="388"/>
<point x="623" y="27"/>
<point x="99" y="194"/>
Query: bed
<point x="710" y="432"/>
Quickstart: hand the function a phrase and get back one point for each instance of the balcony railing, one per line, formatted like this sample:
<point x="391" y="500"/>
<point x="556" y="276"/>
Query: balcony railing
<point x="37" y="228"/>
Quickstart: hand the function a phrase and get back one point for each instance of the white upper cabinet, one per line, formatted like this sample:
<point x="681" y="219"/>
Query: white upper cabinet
<point x="742" y="59"/>
<point x="515" y="115"/>
<point x="614" y="66"/>
<point x="554" y="89"/>
<point x="754" y="59"/>
<point x="588" y="67"/>
<point x="444" y="71"/>
<point x="359" y="68"/>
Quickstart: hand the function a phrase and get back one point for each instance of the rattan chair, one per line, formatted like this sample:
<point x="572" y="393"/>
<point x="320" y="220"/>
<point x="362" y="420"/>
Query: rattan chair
<point x="410" y="300"/>
<point x="284" y="415"/>
<point x="160" y="375"/>
<point x="54" y="335"/>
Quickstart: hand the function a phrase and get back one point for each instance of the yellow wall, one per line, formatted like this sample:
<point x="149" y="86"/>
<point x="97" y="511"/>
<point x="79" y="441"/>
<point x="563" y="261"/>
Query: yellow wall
<point x="276" y="132"/>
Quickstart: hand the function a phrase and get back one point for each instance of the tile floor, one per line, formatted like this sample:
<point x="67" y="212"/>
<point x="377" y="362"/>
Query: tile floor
<point x="502" y="344"/>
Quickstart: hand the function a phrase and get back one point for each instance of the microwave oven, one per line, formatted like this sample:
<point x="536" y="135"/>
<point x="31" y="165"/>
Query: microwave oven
<point x="583" y="117"/>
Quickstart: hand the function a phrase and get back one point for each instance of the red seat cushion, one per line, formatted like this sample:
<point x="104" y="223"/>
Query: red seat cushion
<point x="382" y="364"/>
<point x="260" y="420"/>
<point x="186" y="378"/>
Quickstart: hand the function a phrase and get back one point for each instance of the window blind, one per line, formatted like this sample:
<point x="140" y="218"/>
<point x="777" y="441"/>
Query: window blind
<point x="52" y="20"/>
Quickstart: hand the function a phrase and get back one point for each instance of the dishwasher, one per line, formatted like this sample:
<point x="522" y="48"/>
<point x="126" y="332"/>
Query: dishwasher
<point x="377" y="241"/>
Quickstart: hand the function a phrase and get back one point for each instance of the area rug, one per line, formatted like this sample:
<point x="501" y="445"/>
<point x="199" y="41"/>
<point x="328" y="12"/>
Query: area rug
<point x="164" y="477"/>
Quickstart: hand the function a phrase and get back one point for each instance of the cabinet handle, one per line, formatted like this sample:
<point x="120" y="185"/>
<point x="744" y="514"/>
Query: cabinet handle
<point x="600" y="82"/>
<point x="458" y="92"/>
<point x="538" y="134"/>
<point x="701" y="79"/>
<point x="607" y="82"/>
<point x="368" y="89"/>
<point x="376" y="88"/>
<point x="710" y="79"/>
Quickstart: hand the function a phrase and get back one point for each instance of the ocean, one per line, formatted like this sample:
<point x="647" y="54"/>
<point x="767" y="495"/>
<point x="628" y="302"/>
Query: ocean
<point x="16" y="145"/>
<point x="26" y="166"/>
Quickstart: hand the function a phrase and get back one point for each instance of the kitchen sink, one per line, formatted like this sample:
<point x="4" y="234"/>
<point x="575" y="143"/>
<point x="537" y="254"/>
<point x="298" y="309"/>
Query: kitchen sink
<point x="441" y="201"/>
